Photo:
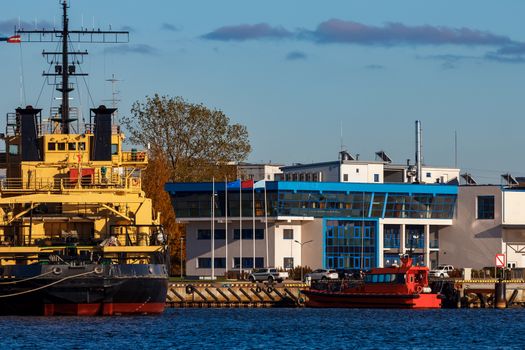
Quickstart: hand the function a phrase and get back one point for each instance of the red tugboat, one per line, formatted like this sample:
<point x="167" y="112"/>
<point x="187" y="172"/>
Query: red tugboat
<point x="399" y="287"/>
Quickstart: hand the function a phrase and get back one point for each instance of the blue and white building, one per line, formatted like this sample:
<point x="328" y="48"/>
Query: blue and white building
<point x="309" y="221"/>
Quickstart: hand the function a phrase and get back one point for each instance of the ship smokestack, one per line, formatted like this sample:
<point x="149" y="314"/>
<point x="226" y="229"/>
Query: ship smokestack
<point x="102" y="134"/>
<point x="27" y="118"/>
<point x="419" y="156"/>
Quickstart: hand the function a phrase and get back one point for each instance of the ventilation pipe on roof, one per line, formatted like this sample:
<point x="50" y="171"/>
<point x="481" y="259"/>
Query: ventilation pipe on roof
<point x="419" y="156"/>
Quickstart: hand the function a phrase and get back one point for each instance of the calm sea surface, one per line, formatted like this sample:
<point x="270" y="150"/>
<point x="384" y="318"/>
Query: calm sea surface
<point x="273" y="329"/>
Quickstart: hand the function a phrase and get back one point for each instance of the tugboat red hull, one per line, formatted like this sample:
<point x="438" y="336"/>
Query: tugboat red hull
<point x="324" y="299"/>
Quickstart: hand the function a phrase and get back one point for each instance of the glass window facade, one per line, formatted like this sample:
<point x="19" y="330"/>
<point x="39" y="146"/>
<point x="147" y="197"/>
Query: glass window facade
<point x="350" y="244"/>
<point x="415" y="236"/>
<point x="350" y="211"/>
<point x="375" y="203"/>
<point x="391" y="236"/>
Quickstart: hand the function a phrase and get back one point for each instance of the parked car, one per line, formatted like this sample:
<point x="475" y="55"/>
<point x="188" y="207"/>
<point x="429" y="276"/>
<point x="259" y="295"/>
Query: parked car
<point x="442" y="271"/>
<point x="269" y="275"/>
<point x="322" y="274"/>
<point x="355" y="274"/>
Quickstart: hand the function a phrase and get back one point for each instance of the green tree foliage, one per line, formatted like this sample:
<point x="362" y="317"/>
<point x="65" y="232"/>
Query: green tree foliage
<point x="187" y="142"/>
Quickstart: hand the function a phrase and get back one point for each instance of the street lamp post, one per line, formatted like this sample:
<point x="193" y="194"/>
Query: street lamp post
<point x="181" y="243"/>
<point x="301" y="244"/>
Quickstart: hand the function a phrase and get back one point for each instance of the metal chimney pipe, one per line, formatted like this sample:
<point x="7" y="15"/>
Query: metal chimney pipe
<point x="419" y="176"/>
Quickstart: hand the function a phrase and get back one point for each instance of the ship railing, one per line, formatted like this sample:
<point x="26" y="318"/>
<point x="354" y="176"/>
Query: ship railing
<point x="113" y="181"/>
<point x="12" y="124"/>
<point x="134" y="156"/>
<point x="89" y="128"/>
<point x="119" y="235"/>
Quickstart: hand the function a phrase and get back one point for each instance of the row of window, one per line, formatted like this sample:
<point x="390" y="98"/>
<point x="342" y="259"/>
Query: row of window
<point x="247" y="263"/>
<point x="350" y="244"/>
<point x="353" y="204"/>
<point x="74" y="146"/>
<point x="220" y="234"/>
<point x="345" y="176"/>
<point x="385" y="278"/>
<point x="61" y="146"/>
<point x="349" y="232"/>
<point x="308" y="177"/>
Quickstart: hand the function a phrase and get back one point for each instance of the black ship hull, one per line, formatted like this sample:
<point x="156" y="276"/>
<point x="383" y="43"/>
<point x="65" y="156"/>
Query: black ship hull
<point x="86" y="290"/>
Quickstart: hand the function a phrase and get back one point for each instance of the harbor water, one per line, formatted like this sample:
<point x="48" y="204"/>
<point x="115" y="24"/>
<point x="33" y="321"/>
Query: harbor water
<point x="273" y="329"/>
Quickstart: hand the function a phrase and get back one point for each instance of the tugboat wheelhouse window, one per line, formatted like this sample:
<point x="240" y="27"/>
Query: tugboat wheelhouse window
<point x="61" y="146"/>
<point x="51" y="146"/>
<point x="72" y="146"/>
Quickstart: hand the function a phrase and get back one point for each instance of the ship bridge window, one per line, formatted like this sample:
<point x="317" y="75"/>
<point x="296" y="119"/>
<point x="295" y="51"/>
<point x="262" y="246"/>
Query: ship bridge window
<point x="114" y="149"/>
<point x="82" y="146"/>
<point x="51" y="146"/>
<point x="61" y="146"/>
<point x="72" y="146"/>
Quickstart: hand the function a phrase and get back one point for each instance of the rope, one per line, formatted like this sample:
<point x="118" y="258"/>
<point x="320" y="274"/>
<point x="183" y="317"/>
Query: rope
<point x="27" y="279"/>
<point x="46" y="286"/>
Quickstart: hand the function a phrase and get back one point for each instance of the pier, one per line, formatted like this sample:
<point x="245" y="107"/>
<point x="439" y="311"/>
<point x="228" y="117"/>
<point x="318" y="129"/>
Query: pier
<point x="458" y="293"/>
<point x="481" y="293"/>
<point x="235" y="294"/>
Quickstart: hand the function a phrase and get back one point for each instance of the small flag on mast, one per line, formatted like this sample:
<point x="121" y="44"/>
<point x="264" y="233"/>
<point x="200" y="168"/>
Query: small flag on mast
<point x="15" y="39"/>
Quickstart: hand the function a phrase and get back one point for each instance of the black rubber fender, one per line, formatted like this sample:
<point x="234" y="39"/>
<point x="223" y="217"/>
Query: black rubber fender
<point x="258" y="290"/>
<point x="57" y="270"/>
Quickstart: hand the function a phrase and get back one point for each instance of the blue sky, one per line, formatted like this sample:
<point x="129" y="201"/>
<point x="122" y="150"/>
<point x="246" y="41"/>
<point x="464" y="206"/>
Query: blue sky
<point x="294" y="71"/>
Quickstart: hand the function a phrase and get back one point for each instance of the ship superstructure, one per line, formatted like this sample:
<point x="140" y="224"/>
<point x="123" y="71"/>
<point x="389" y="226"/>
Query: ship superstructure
<point x="77" y="233"/>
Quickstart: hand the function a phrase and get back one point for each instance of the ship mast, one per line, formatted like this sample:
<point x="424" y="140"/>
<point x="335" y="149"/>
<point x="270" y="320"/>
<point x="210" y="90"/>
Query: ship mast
<point x="64" y="110"/>
<point x="65" y="68"/>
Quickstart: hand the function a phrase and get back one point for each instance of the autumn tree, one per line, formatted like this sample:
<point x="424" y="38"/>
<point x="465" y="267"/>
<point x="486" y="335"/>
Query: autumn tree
<point x="186" y="142"/>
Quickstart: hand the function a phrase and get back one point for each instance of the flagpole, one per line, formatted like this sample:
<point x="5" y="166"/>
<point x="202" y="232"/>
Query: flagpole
<point x="240" y="228"/>
<point x="213" y="230"/>
<point x="226" y="220"/>
<point x="253" y="221"/>
<point x="266" y="224"/>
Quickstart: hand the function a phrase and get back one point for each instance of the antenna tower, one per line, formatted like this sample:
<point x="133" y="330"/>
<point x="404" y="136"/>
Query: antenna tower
<point x="65" y="65"/>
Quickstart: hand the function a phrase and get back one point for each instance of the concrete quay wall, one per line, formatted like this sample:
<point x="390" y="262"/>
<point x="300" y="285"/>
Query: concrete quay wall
<point x="235" y="294"/>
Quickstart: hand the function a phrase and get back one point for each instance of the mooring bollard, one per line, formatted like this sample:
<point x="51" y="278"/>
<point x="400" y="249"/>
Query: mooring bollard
<point x="500" y="292"/>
